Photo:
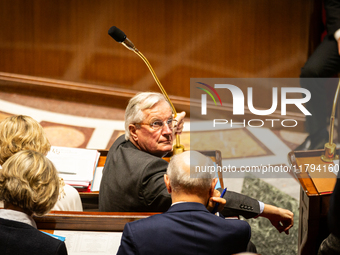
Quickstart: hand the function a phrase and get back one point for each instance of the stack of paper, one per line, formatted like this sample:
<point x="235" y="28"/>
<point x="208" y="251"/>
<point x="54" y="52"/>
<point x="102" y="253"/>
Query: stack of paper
<point x="90" y="242"/>
<point x="97" y="177"/>
<point x="76" y="166"/>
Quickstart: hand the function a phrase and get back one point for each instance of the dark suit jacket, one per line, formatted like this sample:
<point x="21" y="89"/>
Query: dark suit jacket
<point x="186" y="228"/>
<point x="331" y="245"/>
<point x="324" y="62"/>
<point x="334" y="210"/>
<point x="20" y="238"/>
<point x="133" y="182"/>
<point x="332" y="8"/>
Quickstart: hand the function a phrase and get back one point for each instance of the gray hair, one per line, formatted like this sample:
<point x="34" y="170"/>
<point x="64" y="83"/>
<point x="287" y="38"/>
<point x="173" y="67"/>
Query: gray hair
<point x="134" y="110"/>
<point x="197" y="182"/>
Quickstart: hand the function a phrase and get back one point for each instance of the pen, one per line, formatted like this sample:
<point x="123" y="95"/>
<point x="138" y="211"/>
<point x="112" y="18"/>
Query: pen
<point x="66" y="172"/>
<point x="217" y="204"/>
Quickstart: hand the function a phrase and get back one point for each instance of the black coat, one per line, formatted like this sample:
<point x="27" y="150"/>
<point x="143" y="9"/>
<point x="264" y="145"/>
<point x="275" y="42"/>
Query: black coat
<point x="186" y="228"/>
<point x="20" y="238"/>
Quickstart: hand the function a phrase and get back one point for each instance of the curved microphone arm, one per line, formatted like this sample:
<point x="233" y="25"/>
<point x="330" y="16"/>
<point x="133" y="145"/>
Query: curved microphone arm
<point x="178" y="148"/>
<point x="330" y="147"/>
<point x="120" y="37"/>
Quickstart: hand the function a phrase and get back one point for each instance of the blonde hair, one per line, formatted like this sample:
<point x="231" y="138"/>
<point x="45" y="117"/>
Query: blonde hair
<point x="29" y="180"/>
<point x="19" y="133"/>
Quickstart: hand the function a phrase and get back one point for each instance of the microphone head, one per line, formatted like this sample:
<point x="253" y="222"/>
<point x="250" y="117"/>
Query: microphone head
<point x="117" y="34"/>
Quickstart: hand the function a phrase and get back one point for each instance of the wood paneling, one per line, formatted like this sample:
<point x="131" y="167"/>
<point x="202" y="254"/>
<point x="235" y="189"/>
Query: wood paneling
<point x="68" y="40"/>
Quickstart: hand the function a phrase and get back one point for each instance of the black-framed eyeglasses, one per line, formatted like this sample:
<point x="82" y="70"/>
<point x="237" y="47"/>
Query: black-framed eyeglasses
<point x="158" y="124"/>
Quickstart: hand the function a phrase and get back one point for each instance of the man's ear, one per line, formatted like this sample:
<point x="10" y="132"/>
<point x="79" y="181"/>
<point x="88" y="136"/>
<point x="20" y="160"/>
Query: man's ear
<point x="167" y="183"/>
<point x="133" y="132"/>
<point x="212" y="187"/>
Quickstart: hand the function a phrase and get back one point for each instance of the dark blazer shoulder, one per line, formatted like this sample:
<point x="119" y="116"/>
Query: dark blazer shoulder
<point x="185" y="228"/>
<point x="334" y="209"/>
<point x="332" y="8"/>
<point x="25" y="239"/>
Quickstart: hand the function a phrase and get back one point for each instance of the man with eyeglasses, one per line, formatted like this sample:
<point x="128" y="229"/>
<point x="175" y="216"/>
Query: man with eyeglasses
<point x="133" y="173"/>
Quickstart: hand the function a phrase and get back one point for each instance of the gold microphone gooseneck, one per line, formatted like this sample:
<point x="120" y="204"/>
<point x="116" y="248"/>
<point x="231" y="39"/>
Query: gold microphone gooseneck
<point x="120" y="37"/>
<point x="330" y="147"/>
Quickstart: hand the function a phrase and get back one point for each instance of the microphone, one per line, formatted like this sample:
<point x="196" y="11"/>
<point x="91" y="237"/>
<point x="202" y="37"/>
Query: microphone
<point x="120" y="37"/>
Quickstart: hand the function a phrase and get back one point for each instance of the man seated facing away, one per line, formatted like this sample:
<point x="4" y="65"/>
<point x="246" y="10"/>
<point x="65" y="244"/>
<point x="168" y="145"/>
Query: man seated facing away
<point x="188" y="227"/>
<point x="133" y="173"/>
<point x="29" y="184"/>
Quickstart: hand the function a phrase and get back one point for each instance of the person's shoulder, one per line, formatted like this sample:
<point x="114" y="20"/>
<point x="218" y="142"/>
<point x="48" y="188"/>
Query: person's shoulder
<point x="14" y="224"/>
<point x="50" y="243"/>
<point x="70" y="200"/>
<point x="152" y="164"/>
<point x="121" y="147"/>
<point x="125" y="146"/>
<point x="71" y="191"/>
<point x="229" y="223"/>
<point x="241" y="225"/>
<point x="146" y="223"/>
<point x="33" y="232"/>
<point x="35" y="240"/>
<point x="140" y="156"/>
<point x="235" y="220"/>
<point x="118" y="142"/>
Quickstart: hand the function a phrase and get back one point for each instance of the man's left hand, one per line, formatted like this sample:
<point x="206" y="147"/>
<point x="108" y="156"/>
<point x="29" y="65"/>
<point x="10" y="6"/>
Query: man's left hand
<point x="281" y="219"/>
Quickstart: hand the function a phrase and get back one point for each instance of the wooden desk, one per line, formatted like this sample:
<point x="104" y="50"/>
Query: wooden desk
<point x="87" y="230"/>
<point x="90" y="199"/>
<point x="87" y="221"/>
<point x="315" y="192"/>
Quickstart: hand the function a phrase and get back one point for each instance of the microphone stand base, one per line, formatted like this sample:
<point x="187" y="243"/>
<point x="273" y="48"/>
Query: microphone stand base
<point x="178" y="149"/>
<point x="330" y="153"/>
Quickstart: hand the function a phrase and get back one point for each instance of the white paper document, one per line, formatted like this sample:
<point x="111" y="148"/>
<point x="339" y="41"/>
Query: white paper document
<point x="97" y="177"/>
<point x="90" y="242"/>
<point x="74" y="164"/>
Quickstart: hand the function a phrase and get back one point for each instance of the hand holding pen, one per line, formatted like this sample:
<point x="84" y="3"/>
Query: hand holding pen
<point x="218" y="201"/>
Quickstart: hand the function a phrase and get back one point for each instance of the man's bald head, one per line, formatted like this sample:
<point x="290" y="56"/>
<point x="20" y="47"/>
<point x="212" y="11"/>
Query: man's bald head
<point x="184" y="175"/>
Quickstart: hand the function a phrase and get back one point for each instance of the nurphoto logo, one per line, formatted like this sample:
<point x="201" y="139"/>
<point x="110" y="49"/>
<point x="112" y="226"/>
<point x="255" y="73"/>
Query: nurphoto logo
<point x="238" y="100"/>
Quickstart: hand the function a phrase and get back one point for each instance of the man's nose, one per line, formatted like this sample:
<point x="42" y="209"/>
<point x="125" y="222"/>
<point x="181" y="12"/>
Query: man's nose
<point x="166" y="129"/>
